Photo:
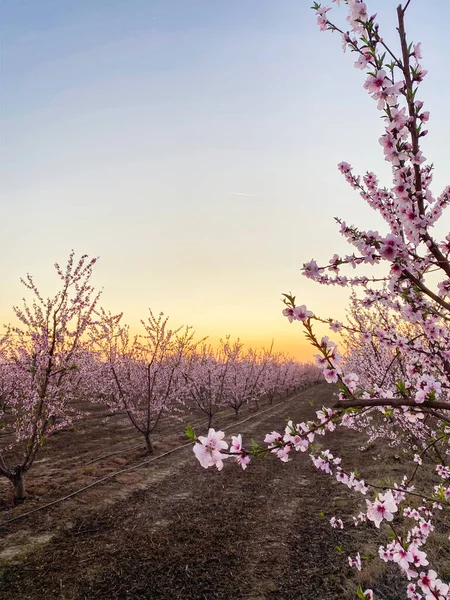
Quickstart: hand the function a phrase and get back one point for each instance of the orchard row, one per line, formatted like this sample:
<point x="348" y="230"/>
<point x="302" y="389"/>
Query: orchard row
<point x="67" y="353"/>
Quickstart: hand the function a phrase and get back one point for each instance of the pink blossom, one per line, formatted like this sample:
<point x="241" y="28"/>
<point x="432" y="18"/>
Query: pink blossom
<point x="273" y="437"/>
<point x="289" y="313"/>
<point x="331" y="375"/>
<point x="375" y="83"/>
<point x="351" y="381"/>
<point x="419" y="558"/>
<point x="355" y="562"/>
<point x="326" y="343"/>
<point x="417" y="51"/>
<point x="236" y="448"/>
<point x="336" y="326"/>
<point x="208" y="449"/>
<point x="383" y="508"/>
<point x="363" y="59"/>
<point x="311" y="269"/>
<point x="391" y="247"/>
<point x="322" y="20"/>
<point x="298" y="442"/>
<point x="301" y="313"/>
<point x="335" y="523"/>
<point x="402" y="557"/>
<point x="282" y="453"/>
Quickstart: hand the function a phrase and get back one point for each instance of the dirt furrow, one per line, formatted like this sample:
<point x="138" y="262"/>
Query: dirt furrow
<point x="191" y="534"/>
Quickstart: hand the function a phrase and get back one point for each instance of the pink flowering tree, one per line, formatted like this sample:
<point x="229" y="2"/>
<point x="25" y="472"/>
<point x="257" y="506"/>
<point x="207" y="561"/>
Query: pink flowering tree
<point x="41" y="364"/>
<point x="245" y="381"/>
<point x="206" y="375"/>
<point x="277" y="376"/>
<point x="284" y="376"/>
<point x="142" y="375"/>
<point x="229" y="377"/>
<point x="397" y="369"/>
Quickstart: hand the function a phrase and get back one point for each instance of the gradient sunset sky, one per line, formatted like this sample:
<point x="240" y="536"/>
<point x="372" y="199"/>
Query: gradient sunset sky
<point x="192" y="145"/>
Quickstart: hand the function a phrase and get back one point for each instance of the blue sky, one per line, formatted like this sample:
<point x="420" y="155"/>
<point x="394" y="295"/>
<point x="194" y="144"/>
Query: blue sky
<point x="192" y="145"/>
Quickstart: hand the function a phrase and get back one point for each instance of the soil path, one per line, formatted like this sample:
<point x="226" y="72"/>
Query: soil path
<point x="190" y="534"/>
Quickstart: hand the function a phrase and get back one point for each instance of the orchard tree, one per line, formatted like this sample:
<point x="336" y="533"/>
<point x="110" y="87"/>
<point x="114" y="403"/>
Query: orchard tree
<point x="142" y="375"/>
<point x="206" y="374"/>
<point x="221" y="378"/>
<point x="380" y="366"/>
<point x="41" y="364"/>
<point x="245" y="381"/>
<point x="272" y="376"/>
<point x="283" y="376"/>
<point x="413" y="341"/>
<point x="376" y="364"/>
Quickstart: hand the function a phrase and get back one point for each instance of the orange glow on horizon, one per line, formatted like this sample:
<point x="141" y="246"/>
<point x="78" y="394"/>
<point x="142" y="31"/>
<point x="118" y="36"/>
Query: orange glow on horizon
<point x="299" y="350"/>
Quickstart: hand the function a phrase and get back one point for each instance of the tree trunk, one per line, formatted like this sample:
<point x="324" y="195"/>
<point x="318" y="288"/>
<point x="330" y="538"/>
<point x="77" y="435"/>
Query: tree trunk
<point x="19" y="488"/>
<point x="148" y="442"/>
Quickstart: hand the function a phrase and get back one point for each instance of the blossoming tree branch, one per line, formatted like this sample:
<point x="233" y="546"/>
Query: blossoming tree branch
<point x="393" y="379"/>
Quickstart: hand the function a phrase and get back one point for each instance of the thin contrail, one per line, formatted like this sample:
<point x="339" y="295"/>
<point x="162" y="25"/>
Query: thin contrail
<point x="242" y="194"/>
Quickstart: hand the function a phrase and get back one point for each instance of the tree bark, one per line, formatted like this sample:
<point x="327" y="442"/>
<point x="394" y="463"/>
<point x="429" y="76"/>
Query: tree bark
<point x="19" y="488"/>
<point x="148" y="442"/>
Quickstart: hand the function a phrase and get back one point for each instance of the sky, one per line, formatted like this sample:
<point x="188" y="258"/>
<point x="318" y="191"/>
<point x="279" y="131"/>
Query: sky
<point x="192" y="145"/>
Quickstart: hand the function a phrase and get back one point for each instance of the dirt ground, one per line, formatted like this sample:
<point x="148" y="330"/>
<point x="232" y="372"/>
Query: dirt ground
<point x="170" y="530"/>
